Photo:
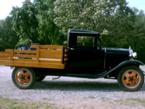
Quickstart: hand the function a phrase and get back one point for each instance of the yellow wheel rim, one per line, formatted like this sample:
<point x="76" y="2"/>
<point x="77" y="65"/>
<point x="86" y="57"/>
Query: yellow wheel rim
<point x="131" y="78"/>
<point x="23" y="77"/>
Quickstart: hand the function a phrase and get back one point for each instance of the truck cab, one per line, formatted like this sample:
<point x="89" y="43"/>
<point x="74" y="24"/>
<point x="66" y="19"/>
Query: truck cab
<point x="85" y="55"/>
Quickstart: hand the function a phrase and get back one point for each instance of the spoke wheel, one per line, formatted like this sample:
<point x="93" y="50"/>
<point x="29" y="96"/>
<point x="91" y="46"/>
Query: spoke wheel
<point x="131" y="78"/>
<point x="23" y="78"/>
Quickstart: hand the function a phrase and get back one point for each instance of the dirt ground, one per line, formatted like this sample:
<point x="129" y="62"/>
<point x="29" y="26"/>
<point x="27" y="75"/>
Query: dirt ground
<point x="73" y="93"/>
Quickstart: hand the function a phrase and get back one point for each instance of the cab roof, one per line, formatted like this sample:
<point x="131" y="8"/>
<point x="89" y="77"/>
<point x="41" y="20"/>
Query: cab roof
<point x="80" y="32"/>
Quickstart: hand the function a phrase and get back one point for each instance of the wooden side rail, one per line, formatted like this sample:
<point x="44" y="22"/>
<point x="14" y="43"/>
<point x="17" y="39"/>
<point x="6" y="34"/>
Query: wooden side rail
<point x="26" y="54"/>
<point x="41" y="56"/>
<point x="7" y="54"/>
<point x="49" y="52"/>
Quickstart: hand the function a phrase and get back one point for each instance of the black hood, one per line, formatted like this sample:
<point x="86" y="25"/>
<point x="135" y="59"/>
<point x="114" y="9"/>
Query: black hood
<point x="116" y="51"/>
<point x="114" y="56"/>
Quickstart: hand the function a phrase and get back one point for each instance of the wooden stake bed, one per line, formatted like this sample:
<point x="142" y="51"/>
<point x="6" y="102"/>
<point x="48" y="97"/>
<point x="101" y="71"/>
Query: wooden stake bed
<point x="41" y="56"/>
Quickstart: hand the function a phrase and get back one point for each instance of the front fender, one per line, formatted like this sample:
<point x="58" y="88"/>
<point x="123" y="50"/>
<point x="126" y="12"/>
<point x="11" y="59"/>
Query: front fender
<point x="124" y="64"/>
<point x="131" y="62"/>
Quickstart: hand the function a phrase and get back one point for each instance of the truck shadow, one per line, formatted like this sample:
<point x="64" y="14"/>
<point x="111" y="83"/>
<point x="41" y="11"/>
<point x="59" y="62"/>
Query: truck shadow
<point x="80" y="85"/>
<point x="77" y="85"/>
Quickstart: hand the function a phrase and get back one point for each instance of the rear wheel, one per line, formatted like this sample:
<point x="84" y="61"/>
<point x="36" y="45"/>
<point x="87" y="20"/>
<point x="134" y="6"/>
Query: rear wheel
<point x="23" y="78"/>
<point x="131" y="78"/>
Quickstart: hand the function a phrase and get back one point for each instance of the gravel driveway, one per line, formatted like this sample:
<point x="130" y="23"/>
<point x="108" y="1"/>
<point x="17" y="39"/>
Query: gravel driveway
<point x="74" y="93"/>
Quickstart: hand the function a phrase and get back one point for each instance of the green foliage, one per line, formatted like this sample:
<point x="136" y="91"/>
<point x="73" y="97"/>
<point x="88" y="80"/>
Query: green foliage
<point x="137" y="35"/>
<point x="8" y="38"/>
<point x="35" y="22"/>
<point x="25" y="22"/>
<point x="91" y="14"/>
<point x="112" y="15"/>
<point x="47" y="30"/>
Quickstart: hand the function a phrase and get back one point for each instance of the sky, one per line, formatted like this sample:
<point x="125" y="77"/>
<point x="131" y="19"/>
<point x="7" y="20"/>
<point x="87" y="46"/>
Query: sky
<point x="6" y="6"/>
<point x="139" y="4"/>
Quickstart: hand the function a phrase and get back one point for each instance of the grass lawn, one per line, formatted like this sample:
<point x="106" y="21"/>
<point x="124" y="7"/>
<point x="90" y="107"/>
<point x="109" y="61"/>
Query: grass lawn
<point x="16" y="104"/>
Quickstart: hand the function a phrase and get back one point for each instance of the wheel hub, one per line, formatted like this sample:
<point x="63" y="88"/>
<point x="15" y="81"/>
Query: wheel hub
<point x="131" y="78"/>
<point x="23" y="77"/>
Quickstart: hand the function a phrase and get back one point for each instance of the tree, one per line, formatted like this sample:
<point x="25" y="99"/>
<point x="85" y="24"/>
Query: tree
<point x="137" y="35"/>
<point x="34" y="21"/>
<point x="8" y="38"/>
<point x="47" y="30"/>
<point x="99" y="15"/>
<point x="24" y="21"/>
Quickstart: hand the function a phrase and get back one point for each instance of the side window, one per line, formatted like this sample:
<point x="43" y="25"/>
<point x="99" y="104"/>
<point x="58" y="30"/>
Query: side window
<point x="83" y="41"/>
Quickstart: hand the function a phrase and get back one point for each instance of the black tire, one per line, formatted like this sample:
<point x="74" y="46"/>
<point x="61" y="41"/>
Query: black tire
<point x="39" y="77"/>
<point x="23" y="78"/>
<point x="131" y="78"/>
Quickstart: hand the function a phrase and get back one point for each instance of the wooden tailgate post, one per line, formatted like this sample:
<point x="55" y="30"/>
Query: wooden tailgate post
<point x="38" y="52"/>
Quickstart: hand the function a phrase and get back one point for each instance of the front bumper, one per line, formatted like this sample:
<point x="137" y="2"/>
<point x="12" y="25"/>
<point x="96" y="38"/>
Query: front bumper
<point x="142" y="67"/>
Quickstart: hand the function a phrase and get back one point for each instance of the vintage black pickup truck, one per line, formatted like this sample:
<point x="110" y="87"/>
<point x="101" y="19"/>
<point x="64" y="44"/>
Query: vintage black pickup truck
<point x="82" y="56"/>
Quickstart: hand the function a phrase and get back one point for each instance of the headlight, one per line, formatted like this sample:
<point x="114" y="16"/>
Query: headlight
<point x="132" y="53"/>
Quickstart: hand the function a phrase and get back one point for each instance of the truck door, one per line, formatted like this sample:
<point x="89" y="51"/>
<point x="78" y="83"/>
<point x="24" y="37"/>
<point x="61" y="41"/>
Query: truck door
<point x="85" y="56"/>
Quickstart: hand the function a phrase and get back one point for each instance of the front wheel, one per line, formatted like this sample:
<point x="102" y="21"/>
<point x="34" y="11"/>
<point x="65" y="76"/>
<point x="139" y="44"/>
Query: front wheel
<point x="23" y="78"/>
<point x="131" y="78"/>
